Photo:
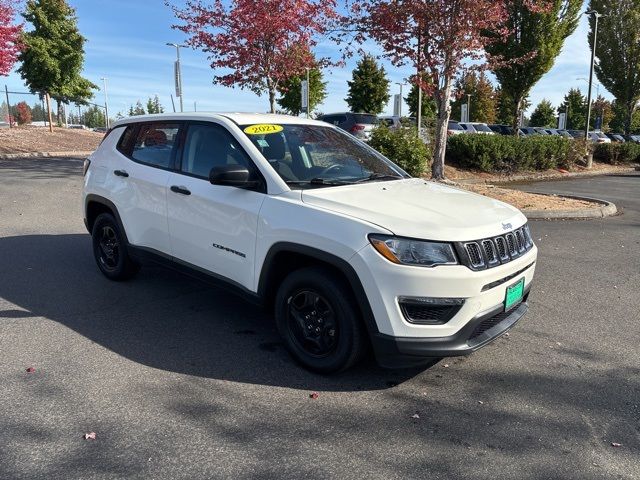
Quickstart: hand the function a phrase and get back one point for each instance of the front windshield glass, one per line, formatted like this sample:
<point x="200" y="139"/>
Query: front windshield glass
<point x="481" y="127"/>
<point x="311" y="156"/>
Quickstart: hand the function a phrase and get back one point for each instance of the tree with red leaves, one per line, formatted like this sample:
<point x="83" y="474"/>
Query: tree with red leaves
<point x="23" y="113"/>
<point x="9" y="37"/>
<point x="436" y="37"/>
<point x="257" y="45"/>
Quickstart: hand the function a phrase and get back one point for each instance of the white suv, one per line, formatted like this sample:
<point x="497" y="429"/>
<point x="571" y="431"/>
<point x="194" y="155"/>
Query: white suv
<point x="348" y="250"/>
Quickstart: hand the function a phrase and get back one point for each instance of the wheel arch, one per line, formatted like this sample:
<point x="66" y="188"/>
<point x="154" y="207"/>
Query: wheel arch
<point x="285" y="257"/>
<point x="95" y="205"/>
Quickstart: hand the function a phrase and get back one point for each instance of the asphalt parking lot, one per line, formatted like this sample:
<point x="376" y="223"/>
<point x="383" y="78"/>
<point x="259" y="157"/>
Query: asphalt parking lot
<point x="179" y="380"/>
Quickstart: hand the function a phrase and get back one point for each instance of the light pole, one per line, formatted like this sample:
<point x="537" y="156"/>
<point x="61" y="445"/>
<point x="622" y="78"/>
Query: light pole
<point x="400" y="102"/>
<point x="178" y="73"/>
<point x="468" y="107"/>
<point x="596" y="83"/>
<point x="106" y="102"/>
<point x="596" y="16"/>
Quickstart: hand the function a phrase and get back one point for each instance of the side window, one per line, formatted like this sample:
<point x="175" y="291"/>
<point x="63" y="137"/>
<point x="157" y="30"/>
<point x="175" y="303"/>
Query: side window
<point x="154" y="144"/>
<point x="126" y="140"/>
<point x="329" y="119"/>
<point x="209" y="145"/>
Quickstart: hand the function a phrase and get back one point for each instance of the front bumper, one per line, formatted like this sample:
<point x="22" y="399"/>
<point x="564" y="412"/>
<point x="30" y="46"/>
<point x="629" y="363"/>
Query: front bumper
<point x="402" y="352"/>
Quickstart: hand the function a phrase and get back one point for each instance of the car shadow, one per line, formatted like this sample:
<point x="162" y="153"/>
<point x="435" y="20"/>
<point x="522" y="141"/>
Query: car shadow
<point x="161" y="318"/>
<point x="44" y="168"/>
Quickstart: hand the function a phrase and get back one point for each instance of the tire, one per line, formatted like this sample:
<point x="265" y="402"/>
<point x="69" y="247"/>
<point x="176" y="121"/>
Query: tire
<point x="110" y="249"/>
<point x="319" y="321"/>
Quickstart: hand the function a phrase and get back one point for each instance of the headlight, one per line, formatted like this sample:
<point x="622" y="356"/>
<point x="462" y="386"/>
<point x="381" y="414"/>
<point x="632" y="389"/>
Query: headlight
<point x="413" y="252"/>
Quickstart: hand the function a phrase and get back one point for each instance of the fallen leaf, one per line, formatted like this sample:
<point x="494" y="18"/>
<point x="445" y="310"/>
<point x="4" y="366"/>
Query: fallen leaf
<point x="90" y="436"/>
<point x="314" y="395"/>
<point x="614" y="444"/>
<point x="415" y="415"/>
<point x="446" y="365"/>
<point x="31" y="370"/>
<point x="480" y="402"/>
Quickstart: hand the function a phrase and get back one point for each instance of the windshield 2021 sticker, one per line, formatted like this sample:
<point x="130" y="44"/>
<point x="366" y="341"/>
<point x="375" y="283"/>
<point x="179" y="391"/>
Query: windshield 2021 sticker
<point x="263" y="129"/>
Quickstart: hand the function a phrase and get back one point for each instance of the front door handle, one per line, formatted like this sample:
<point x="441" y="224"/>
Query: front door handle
<point x="121" y="173"/>
<point x="180" y="190"/>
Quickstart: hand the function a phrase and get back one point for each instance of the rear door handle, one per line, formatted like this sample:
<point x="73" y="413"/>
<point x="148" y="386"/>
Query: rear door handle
<point x="180" y="190"/>
<point x="121" y="173"/>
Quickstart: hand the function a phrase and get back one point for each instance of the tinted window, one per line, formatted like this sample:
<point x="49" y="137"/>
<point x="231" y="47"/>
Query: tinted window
<point x="365" y="118"/>
<point x="125" y="144"/>
<point x="154" y="144"/>
<point x="455" y="126"/>
<point x="207" y="146"/>
<point x="482" y="128"/>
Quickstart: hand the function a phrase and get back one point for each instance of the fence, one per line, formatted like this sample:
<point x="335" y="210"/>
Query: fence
<point x="18" y="108"/>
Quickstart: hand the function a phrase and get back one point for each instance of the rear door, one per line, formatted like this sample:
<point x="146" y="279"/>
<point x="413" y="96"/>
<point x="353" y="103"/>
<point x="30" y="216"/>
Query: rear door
<point x="138" y="180"/>
<point x="213" y="226"/>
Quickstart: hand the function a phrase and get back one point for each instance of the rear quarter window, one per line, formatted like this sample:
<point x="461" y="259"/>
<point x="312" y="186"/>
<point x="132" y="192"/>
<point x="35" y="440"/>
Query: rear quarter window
<point x="365" y="119"/>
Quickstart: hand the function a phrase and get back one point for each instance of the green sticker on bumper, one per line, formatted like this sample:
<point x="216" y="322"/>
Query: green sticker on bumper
<point x="514" y="294"/>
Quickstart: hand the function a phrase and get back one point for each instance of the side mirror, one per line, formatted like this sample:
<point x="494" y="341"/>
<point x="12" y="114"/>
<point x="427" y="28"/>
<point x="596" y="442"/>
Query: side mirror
<point x="232" y="176"/>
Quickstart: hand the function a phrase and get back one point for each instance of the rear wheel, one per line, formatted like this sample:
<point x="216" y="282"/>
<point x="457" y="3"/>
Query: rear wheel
<point x="319" y="321"/>
<point x="110" y="249"/>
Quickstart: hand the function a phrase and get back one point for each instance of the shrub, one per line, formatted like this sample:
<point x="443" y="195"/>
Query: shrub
<point x="23" y="113"/>
<point x="403" y="147"/>
<point x="615" y="153"/>
<point x="497" y="153"/>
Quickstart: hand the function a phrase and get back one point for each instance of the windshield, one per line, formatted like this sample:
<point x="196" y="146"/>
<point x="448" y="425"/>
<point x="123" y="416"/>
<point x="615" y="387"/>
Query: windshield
<point x="481" y="127"/>
<point x="311" y="156"/>
<point x="455" y="126"/>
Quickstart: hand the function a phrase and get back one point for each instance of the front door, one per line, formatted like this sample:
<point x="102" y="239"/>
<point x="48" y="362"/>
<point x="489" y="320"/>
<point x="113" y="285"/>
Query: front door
<point x="213" y="226"/>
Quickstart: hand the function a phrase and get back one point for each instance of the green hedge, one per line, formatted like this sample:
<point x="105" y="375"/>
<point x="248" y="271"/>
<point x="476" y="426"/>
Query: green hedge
<point x="498" y="153"/>
<point x="403" y="147"/>
<point x="615" y="153"/>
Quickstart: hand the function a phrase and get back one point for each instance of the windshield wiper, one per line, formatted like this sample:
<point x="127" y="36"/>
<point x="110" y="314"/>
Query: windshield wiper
<point x="380" y="176"/>
<point x="318" y="181"/>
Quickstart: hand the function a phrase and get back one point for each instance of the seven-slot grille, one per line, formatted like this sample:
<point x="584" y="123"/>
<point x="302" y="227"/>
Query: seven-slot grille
<point x="491" y="252"/>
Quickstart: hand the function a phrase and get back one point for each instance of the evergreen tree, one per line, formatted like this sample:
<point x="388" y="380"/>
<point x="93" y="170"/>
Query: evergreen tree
<point x="618" y="52"/>
<point x="537" y="31"/>
<point x="137" y="110"/>
<point x="94" y="117"/>
<point x="38" y="114"/>
<point x="575" y="106"/>
<point x="429" y="105"/>
<point x="544" y="115"/>
<point x="619" y="119"/>
<point x="369" y="87"/>
<point x="53" y="53"/>
<point x="291" y="92"/>
<point x="483" y="98"/>
<point x="154" y="105"/>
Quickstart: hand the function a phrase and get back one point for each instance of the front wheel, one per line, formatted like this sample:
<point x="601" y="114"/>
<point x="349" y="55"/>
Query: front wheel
<point x="110" y="249"/>
<point x="319" y="321"/>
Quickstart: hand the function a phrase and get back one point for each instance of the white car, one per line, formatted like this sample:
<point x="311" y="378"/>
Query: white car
<point x="476" y="127"/>
<point x="342" y="245"/>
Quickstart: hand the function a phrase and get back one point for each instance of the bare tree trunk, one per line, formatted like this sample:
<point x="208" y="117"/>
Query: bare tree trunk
<point x="517" y="106"/>
<point x="442" y="126"/>
<point x="271" y="87"/>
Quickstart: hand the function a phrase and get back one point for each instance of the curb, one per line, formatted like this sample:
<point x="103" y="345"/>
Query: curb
<point x="544" y="178"/>
<point x="9" y="156"/>
<point x="605" y="209"/>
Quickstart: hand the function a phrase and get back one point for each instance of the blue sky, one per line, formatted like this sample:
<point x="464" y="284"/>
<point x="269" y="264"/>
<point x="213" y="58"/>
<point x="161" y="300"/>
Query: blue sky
<point x="126" y="43"/>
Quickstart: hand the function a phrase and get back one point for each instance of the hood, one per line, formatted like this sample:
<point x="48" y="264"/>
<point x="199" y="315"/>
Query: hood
<point x="420" y="209"/>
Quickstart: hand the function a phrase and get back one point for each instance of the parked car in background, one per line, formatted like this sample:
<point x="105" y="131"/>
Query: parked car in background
<point x="562" y="133"/>
<point x="599" y="137"/>
<point x="576" y="133"/>
<point x="392" y="121"/>
<point x="528" y="132"/>
<point x="477" y="127"/>
<point x="100" y="130"/>
<point x="359" y="125"/>
<point x="542" y="131"/>
<point x="454" y="128"/>
<point x="632" y="138"/>
<point x="502" y="129"/>
<point x="616" y="137"/>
